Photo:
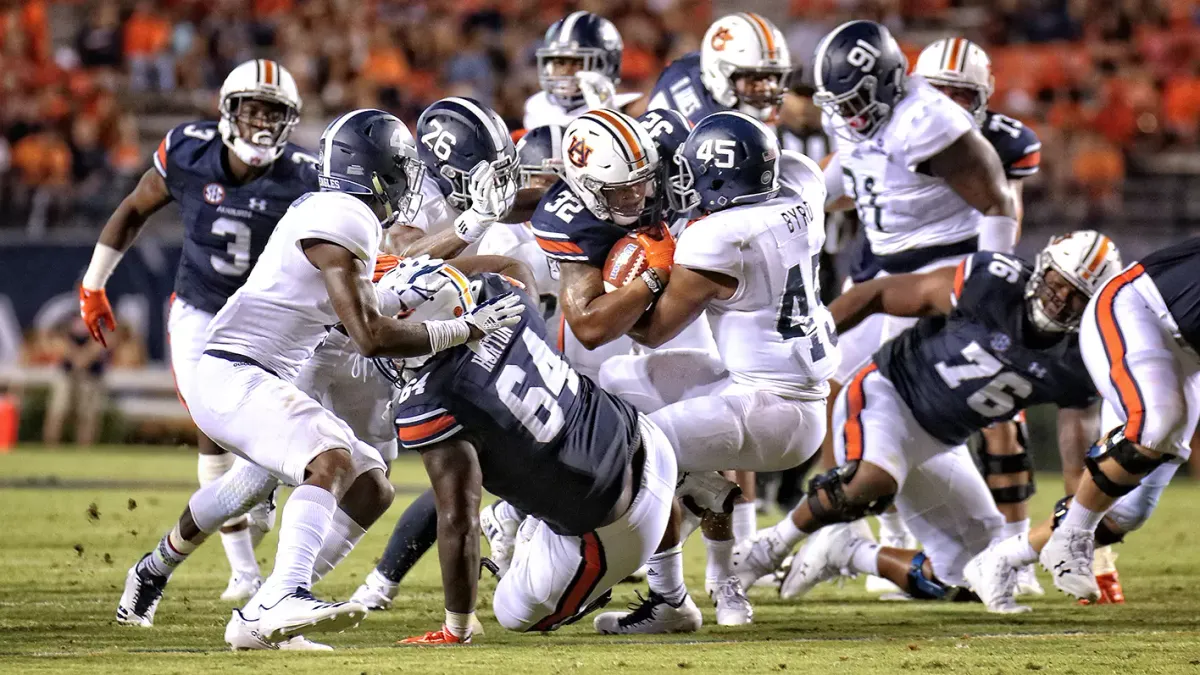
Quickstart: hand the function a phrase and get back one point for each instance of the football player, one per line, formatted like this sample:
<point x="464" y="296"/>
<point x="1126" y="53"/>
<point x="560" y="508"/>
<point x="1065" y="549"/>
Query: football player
<point x="579" y="66"/>
<point x="743" y="64"/>
<point x="1140" y="336"/>
<point x="316" y="271"/>
<point x="509" y="415"/>
<point x="997" y="337"/>
<point x="928" y="187"/>
<point x="233" y="180"/>
<point x="749" y="263"/>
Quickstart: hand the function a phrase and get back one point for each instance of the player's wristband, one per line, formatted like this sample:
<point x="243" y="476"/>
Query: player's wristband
<point x="104" y="260"/>
<point x="471" y="225"/>
<point x="446" y="334"/>
<point x="998" y="234"/>
<point x="459" y="625"/>
<point x="653" y="282"/>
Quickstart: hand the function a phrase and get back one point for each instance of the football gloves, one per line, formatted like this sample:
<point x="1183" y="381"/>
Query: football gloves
<point x="96" y="313"/>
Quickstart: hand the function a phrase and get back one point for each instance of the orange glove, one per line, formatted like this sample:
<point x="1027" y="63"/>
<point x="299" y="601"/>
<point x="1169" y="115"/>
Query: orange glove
<point x="660" y="250"/>
<point x="437" y="637"/>
<point x="384" y="263"/>
<point x="96" y="312"/>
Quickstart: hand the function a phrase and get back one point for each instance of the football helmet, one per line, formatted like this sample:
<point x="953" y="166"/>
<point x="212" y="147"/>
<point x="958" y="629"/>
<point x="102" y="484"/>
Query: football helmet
<point x="257" y="135"/>
<point x="590" y="40"/>
<point x="745" y="64"/>
<point x="669" y="130"/>
<point x="612" y="165"/>
<point x="455" y="296"/>
<point x="958" y="63"/>
<point x="539" y="153"/>
<point x="860" y="76"/>
<point x="371" y="154"/>
<point x="729" y="159"/>
<point x="1086" y="259"/>
<point x="455" y="135"/>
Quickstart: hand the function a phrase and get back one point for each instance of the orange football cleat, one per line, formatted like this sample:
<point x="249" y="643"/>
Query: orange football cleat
<point x="96" y="312"/>
<point x="1111" y="592"/>
<point x="436" y="638"/>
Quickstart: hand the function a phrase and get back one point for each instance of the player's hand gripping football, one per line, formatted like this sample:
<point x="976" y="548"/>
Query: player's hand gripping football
<point x="659" y="246"/>
<point x="96" y="313"/>
<point x="493" y="314"/>
<point x="597" y="89"/>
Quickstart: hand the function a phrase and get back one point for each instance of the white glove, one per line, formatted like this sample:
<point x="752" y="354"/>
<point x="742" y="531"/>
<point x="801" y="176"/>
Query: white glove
<point x="410" y="283"/>
<point x="492" y="197"/>
<point x="598" y="91"/>
<point x="495" y="313"/>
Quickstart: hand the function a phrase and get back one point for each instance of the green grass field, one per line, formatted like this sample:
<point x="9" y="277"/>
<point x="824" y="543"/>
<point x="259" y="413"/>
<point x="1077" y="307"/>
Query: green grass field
<point x="62" y="565"/>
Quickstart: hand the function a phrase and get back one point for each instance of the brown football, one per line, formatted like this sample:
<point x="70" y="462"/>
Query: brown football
<point x="625" y="261"/>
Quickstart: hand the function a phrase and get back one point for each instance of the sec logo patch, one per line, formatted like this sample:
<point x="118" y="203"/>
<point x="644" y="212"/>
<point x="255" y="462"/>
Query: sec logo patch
<point x="214" y="194"/>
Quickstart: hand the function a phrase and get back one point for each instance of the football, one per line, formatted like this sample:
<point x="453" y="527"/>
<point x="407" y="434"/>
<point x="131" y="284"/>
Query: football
<point x="625" y="261"/>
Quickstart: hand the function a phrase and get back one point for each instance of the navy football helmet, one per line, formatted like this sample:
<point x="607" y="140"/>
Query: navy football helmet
<point x="540" y="154"/>
<point x="455" y="135"/>
<point x="590" y="40"/>
<point x="669" y="130"/>
<point x="860" y="74"/>
<point x="371" y="154"/>
<point x="728" y="160"/>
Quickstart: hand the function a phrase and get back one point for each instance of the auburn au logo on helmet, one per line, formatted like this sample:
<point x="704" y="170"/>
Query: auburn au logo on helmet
<point x="578" y="151"/>
<point x="720" y="38"/>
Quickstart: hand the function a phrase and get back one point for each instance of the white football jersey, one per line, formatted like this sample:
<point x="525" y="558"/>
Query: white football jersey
<point x="283" y="311"/>
<point x="774" y="333"/>
<point x="436" y="213"/>
<point x="541" y="111"/>
<point x="901" y="207"/>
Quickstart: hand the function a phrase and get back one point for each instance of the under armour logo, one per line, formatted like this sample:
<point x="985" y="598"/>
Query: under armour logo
<point x="258" y="204"/>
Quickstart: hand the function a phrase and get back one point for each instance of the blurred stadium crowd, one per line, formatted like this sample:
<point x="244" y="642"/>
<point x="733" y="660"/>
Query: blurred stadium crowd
<point x="1111" y="86"/>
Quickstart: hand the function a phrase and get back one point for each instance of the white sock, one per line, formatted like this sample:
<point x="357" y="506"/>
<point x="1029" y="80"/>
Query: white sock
<point x="745" y="521"/>
<point x="891" y="526"/>
<point x="343" y="535"/>
<point x="307" y="518"/>
<point x="239" y="549"/>
<point x="788" y="532"/>
<point x="664" y="574"/>
<point x="171" y="551"/>
<point x="720" y="560"/>
<point x="1015" y="528"/>
<point x="1018" y="550"/>
<point x="1081" y="517"/>
<point x="865" y="558"/>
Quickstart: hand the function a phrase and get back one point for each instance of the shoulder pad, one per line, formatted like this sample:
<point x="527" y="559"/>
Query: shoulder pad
<point x="705" y="245"/>
<point x="421" y="417"/>
<point x="1017" y="145"/>
<point x="926" y="122"/>
<point x="566" y="231"/>
<point x="190" y="139"/>
<point x="985" y="278"/>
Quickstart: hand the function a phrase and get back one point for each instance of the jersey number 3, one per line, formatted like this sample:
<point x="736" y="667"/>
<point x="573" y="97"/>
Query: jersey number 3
<point x="238" y="262"/>
<point x="538" y="409"/>
<point x="998" y="397"/>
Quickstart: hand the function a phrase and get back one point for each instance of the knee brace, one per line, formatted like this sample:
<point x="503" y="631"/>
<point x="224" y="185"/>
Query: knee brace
<point x="841" y="509"/>
<point x="994" y="465"/>
<point x="230" y="496"/>
<point x="920" y="586"/>
<point x="1105" y="535"/>
<point x="1122" y="451"/>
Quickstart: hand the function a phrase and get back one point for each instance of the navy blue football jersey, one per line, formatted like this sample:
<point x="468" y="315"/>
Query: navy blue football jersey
<point x="226" y="226"/>
<point x="568" y="232"/>
<point x="983" y="362"/>
<point x="680" y="88"/>
<point x="1175" y="271"/>
<point x="550" y="442"/>
<point x="1019" y="148"/>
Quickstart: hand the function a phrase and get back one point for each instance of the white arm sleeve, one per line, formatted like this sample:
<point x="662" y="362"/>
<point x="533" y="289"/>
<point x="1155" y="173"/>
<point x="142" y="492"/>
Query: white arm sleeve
<point x="835" y="186"/>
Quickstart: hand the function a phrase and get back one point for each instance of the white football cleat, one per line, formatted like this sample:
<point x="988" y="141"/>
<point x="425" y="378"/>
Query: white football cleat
<point x="652" y="615"/>
<point x="1068" y="559"/>
<point x="733" y="607"/>
<point x="376" y="592"/>
<point x="501" y="534"/>
<point x="993" y="576"/>
<point x="759" y="556"/>
<point x="709" y="490"/>
<point x="241" y="634"/>
<point x="824" y="557"/>
<point x="140" y="598"/>
<point x="241" y="587"/>
<point x="299" y="612"/>
<point x="1027" y="582"/>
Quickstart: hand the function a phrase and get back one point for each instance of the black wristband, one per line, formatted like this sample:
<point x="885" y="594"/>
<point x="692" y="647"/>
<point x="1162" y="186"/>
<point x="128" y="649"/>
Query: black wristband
<point x="653" y="281"/>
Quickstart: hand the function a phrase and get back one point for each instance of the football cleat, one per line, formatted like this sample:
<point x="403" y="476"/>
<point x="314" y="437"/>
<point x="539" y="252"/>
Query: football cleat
<point x="824" y="557"/>
<point x="501" y="534"/>
<point x="994" y="577"/>
<point x="709" y="490"/>
<point x="299" y="612"/>
<point x="376" y="592"/>
<point x="759" y="556"/>
<point x="733" y="607"/>
<point x="1027" y="582"/>
<point x="140" y="599"/>
<point x="1067" y="556"/>
<point x="242" y="634"/>
<point x="653" y="614"/>
<point x="1107" y="579"/>
<point x="241" y="587"/>
<point x="437" y="638"/>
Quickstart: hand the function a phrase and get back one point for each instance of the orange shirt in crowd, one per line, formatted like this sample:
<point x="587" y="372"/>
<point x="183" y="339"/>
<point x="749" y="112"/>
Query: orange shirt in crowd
<point x="386" y="66"/>
<point x="146" y="34"/>
<point x="1098" y="167"/>
<point x="1181" y="101"/>
<point x="42" y="160"/>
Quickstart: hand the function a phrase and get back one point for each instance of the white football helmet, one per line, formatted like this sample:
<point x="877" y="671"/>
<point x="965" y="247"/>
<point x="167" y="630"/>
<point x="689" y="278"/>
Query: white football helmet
<point x="611" y="163"/>
<point x="266" y="81"/>
<point x="1086" y="259"/>
<point x="741" y="45"/>
<point x="454" y="297"/>
<point x="960" y="64"/>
